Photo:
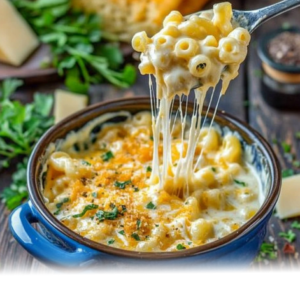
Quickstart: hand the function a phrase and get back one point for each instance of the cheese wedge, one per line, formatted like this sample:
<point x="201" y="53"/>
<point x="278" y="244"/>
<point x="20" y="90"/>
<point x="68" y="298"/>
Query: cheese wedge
<point x="67" y="103"/>
<point x="17" y="39"/>
<point x="288" y="204"/>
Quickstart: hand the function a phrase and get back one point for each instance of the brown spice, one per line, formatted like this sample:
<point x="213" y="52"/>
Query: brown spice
<point x="285" y="48"/>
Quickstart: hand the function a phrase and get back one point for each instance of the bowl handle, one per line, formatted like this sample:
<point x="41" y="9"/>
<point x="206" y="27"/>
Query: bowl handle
<point x="39" y="246"/>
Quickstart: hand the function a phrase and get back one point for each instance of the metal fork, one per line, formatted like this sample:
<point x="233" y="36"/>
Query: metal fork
<point x="251" y="19"/>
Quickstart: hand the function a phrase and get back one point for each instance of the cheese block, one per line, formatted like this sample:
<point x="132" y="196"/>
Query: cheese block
<point x="288" y="204"/>
<point x="17" y="39"/>
<point x="67" y="103"/>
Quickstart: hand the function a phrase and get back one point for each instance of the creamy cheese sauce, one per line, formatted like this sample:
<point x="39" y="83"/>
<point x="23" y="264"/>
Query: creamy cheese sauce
<point x="100" y="186"/>
<point x="160" y="181"/>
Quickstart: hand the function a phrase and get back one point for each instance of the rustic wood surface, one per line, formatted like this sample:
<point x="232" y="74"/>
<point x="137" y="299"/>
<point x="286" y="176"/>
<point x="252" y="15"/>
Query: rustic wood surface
<point x="243" y="100"/>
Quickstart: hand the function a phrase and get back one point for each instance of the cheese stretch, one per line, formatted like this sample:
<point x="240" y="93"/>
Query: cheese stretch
<point x="17" y="40"/>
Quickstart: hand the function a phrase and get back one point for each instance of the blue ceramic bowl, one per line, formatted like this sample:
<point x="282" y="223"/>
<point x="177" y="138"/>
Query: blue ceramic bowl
<point x="56" y="244"/>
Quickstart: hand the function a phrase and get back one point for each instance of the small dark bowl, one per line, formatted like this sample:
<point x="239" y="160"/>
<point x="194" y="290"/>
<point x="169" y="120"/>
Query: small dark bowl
<point x="56" y="244"/>
<point x="280" y="83"/>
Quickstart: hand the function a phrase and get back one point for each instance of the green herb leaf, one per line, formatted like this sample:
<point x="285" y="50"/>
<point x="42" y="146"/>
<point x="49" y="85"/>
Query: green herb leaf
<point x="122" y="184"/>
<point x="135" y="236"/>
<point x="107" y="215"/>
<point x="86" y="163"/>
<point x="290" y="236"/>
<point x="110" y="242"/>
<point x="138" y="224"/>
<point x="107" y="156"/>
<point x="287" y="173"/>
<point x="180" y="247"/>
<point x="122" y="232"/>
<point x="87" y="208"/>
<point x="286" y="147"/>
<point x="295" y="225"/>
<point x="267" y="251"/>
<point x="149" y="169"/>
<point x="150" y="205"/>
<point x="242" y="183"/>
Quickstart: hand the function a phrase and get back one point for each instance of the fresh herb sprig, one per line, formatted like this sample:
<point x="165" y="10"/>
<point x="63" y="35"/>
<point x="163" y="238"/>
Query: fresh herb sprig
<point x="80" y="49"/>
<point x="21" y="125"/>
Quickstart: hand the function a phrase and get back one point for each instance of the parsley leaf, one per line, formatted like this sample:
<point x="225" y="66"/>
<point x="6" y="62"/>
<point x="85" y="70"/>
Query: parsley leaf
<point x="290" y="236"/>
<point x="149" y="169"/>
<point x="122" y="184"/>
<point x="110" y="242"/>
<point x="287" y="172"/>
<point x="107" y="215"/>
<point x="87" y="208"/>
<point x="135" y="236"/>
<point x="150" y="205"/>
<point x="122" y="232"/>
<point x="107" y="156"/>
<point x="138" y="224"/>
<point x="242" y="183"/>
<point x="295" y="225"/>
<point x="80" y="50"/>
<point x="267" y="251"/>
<point x="180" y="247"/>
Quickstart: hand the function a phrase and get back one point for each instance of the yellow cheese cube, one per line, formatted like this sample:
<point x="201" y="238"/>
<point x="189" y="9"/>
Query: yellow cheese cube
<point x="17" y="40"/>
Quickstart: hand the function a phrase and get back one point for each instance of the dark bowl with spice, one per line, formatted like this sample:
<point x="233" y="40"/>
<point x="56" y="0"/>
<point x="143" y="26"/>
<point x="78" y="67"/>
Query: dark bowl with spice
<point x="279" y="51"/>
<point x="56" y="244"/>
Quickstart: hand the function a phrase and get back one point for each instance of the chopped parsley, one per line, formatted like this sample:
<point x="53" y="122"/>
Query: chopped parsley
<point x="60" y="204"/>
<point x="86" y="163"/>
<point x="290" y="236"/>
<point x="110" y="242"/>
<point x="136" y="189"/>
<point x="122" y="184"/>
<point x="287" y="172"/>
<point x="87" y="208"/>
<point x="180" y="247"/>
<point x="214" y="169"/>
<point x="149" y="169"/>
<point x="102" y="215"/>
<point x="267" y="251"/>
<point x="138" y="224"/>
<point x="286" y="147"/>
<point x="135" y="236"/>
<point x="122" y="232"/>
<point x="107" y="156"/>
<point x="295" y="225"/>
<point x="150" y="205"/>
<point x="242" y="183"/>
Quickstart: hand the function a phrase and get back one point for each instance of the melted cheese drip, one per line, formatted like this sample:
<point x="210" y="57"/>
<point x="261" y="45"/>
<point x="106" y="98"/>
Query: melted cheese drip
<point x="187" y="55"/>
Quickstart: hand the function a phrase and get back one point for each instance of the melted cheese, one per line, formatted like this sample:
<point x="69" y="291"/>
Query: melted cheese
<point x="100" y="186"/>
<point x="188" y="56"/>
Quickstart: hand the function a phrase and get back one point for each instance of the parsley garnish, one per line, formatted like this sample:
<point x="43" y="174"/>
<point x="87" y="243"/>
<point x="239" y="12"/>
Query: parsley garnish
<point x="286" y="147"/>
<point x="86" y="163"/>
<point x="138" y="224"/>
<point x="287" y="172"/>
<point x="80" y="50"/>
<point x="295" y="225"/>
<point x="122" y="184"/>
<point x="180" y="247"/>
<point x="136" y="189"/>
<point x="267" y="250"/>
<point x="214" y="169"/>
<point x="135" y="236"/>
<point x="150" y="205"/>
<point x="21" y="125"/>
<point x="107" y="156"/>
<point x="149" y="169"/>
<point x="60" y="204"/>
<point x="290" y="236"/>
<point x="122" y="232"/>
<point x="87" y="208"/>
<point x="242" y="183"/>
<point x="102" y="215"/>
<point x="110" y="242"/>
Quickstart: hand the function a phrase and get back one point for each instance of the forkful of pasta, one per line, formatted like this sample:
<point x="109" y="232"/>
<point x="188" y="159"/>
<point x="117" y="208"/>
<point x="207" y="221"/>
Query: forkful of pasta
<point x="252" y="19"/>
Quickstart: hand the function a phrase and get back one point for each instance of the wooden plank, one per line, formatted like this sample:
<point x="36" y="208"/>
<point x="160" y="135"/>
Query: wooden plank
<point x="273" y="123"/>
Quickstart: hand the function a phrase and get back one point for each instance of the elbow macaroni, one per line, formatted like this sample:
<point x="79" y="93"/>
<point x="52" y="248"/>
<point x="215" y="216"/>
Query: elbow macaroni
<point x="105" y="194"/>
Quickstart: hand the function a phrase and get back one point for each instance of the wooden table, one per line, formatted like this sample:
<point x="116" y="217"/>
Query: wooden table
<point x="243" y="100"/>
